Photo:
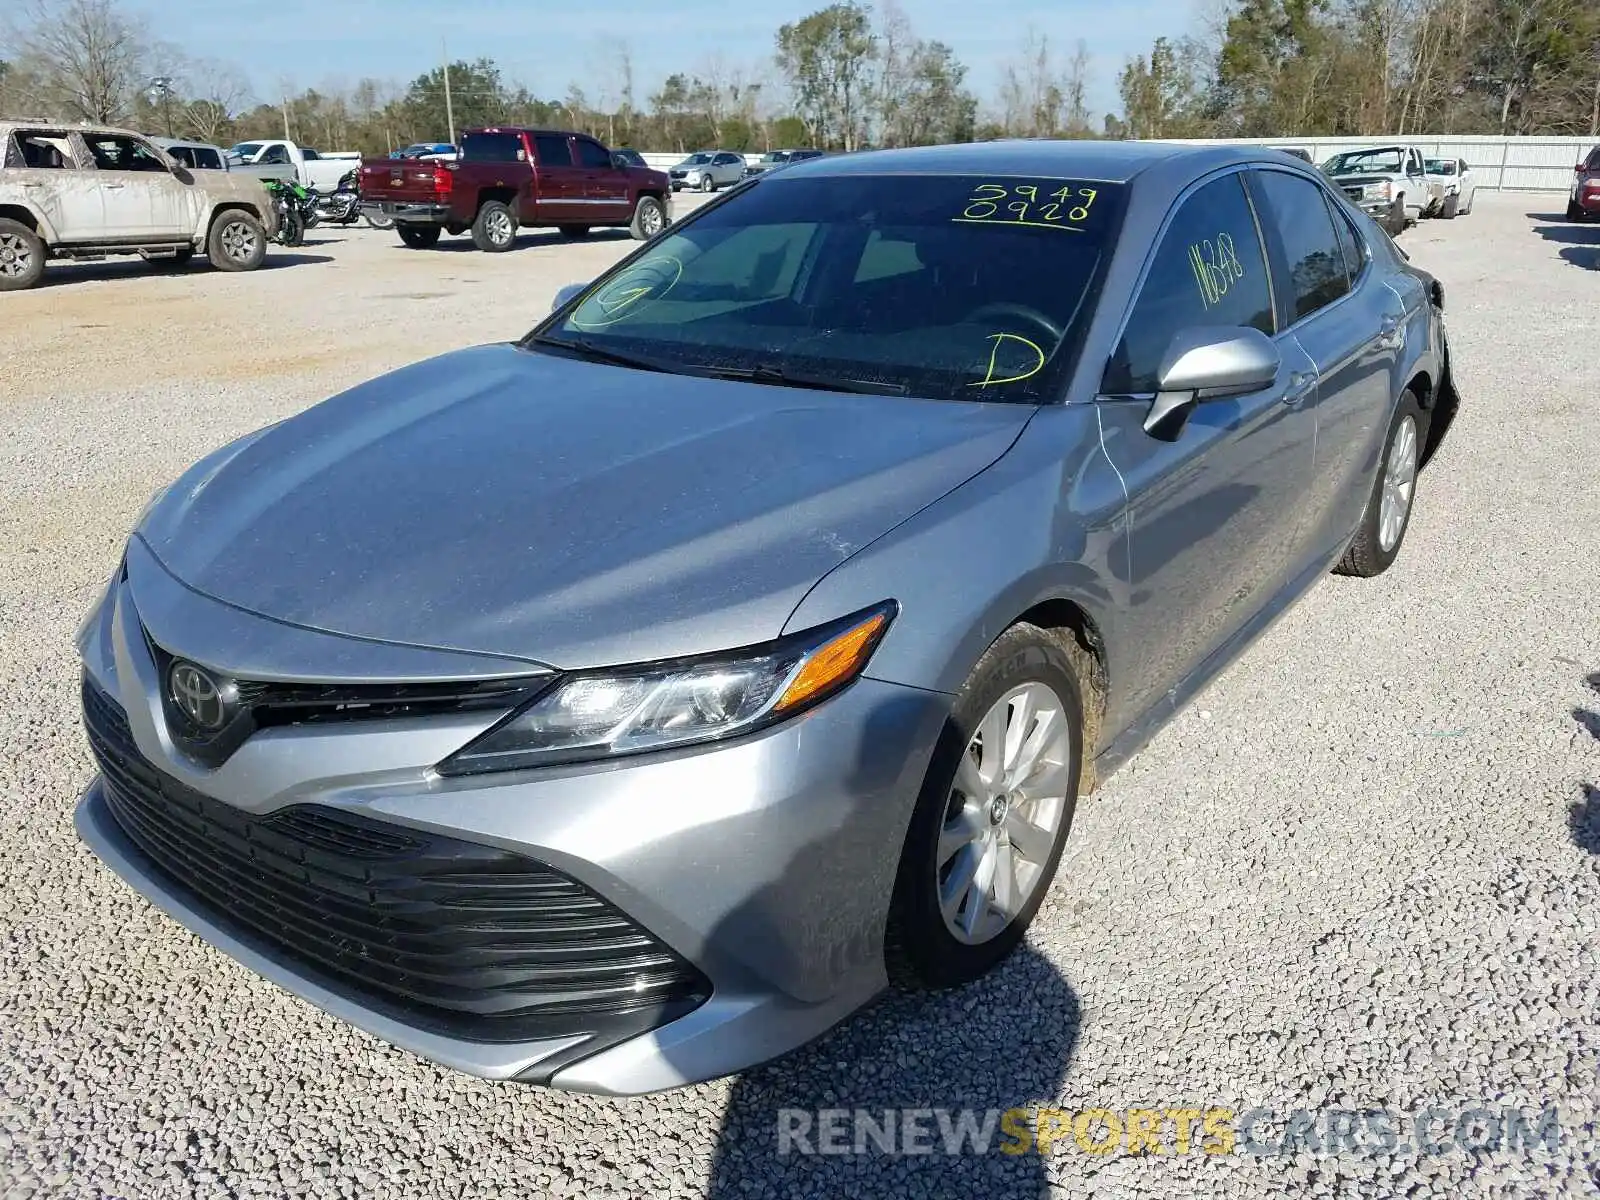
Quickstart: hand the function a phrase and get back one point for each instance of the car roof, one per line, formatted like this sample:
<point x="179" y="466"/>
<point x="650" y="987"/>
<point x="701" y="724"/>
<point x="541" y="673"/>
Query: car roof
<point x="11" y="123"/>
<point x="1106" y="161"/>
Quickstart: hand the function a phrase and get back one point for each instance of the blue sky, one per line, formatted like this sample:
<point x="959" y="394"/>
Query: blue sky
<point x="551" y="43"/>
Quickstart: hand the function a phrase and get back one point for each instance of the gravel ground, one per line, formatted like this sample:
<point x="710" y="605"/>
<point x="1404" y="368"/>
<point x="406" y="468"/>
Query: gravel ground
<point x="1362" y="871"/>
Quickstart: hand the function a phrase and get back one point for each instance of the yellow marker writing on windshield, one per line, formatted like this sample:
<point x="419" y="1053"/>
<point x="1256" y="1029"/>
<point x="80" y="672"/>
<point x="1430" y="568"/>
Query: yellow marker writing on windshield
<point x="990" y="379"/>
<point x="652" y="278"/>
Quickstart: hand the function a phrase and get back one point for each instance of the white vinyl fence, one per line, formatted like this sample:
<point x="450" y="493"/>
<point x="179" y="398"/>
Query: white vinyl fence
<point x="1522" y="164"/>
<point x="1516" y="164"/>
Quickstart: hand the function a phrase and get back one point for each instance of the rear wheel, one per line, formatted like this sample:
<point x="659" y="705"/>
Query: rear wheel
<point x="1388" y="514"/>
<point x="1574" y="211"/>
<point x="649" y="218"/>
<point x="378" y="220"/>
<point x="994" y="812"/>
<point x="495" y="229"/>
<point x="707" y="184"/>
<point x="22" y="256"/>
<point x="418" y="237"/>
<point x="237" y="242"/>
<point x="1451" y="204"/>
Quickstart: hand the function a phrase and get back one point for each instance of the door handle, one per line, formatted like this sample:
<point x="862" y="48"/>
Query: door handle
<point x="1301" y="385"/>
<point x="113" y="187"/>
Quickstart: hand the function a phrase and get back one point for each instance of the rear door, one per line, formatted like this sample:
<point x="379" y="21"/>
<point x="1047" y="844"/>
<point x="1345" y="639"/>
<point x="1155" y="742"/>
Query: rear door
<point x="562" y="187"/>
<point x="47" y="165"/>
<point x="1351" y="325"/>
<point x="606" y="187"/>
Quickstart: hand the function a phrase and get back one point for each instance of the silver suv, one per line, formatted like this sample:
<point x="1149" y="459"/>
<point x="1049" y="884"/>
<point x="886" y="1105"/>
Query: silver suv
<point x="707" y="171"/>
<point x="73" y="191"/>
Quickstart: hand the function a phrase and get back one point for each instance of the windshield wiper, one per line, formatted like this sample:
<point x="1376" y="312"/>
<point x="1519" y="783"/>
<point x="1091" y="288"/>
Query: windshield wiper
<point x="592" y="350"/>
<point x="766" y="373"/>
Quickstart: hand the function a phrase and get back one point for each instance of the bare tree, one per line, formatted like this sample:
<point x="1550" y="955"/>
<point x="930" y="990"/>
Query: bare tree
<point x="90" y="56"/>
<point x="213" y="92"/>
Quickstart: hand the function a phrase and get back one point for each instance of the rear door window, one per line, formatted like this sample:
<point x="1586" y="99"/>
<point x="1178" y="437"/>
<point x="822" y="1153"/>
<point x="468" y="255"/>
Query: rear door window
<point x="115" y="152"/>
<point x="552" y="151"/>
<point x="207" y="159"/>
<point x="1293" y="209"/>
<point x="1209" y="271"/>
<point x="491" y="147"/>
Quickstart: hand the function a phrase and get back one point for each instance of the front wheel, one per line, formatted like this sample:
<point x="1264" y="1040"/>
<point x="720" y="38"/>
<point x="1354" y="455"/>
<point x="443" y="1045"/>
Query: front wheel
<point x="237" y="242"/>
<point x="1388" y="513"/>
<point x="1452" y="205"/>
<point x="22" y="255"/>
<point x="649" y="218"/>
<point x="378" y="220"/>
<point x="291" y="228"/>
<point x="994" y="812"/>
<point x="707" y="184"/>
<point x="495" y="229"/>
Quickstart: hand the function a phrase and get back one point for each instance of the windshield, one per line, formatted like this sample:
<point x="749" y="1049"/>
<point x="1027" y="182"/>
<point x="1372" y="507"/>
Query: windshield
<point x="246" y="149"/>
<point x="695" y="160"/>
<point x="1441" y="166"/>
<point x="951" y="287"/>
<point x="1359" y="161"/>
<point x="775" y="156"/>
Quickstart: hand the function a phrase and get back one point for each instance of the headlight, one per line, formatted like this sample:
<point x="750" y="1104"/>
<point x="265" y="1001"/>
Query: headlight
<point x="1380" y="191"/>
<point x="604" y="714"/>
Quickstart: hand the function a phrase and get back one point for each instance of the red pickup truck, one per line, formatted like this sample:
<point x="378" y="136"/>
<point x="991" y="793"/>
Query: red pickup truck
<point x="508" y="177"/>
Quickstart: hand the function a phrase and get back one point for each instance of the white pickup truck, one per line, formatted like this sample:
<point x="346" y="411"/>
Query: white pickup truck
<point x="274" y="159"/>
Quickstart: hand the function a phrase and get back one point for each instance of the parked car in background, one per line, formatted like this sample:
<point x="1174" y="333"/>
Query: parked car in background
<point x="85" y="192"/>
<point x="273" y="159"/>
<point x="708" y="170"/>
<point x="774" y="159"/>
<point x="1583" y="204"/>
<point x="628" y="705"/>
<point x="1296" y="151"/>
<point x="426" y="150"/>
<point x="1453" y="186"/>
<point x="196" y="156"/>
<point x="508" y="177"/>
<point x="1389" y="183"/>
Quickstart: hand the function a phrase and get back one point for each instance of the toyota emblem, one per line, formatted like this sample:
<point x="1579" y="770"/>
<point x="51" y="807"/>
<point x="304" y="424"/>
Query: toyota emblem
<point x="198" y="697"/>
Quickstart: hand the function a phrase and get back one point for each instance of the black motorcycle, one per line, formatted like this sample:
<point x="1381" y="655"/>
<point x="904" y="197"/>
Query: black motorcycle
<point x="342" y="206"/>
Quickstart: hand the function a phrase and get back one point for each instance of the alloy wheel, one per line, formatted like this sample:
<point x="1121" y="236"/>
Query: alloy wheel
<point x="1399" y="484"/>
<point x="16" y="258"/>
<point x="238" y="241"/>
<point x="498" y="227"/>
<point x="1004" y="813"/>
<point x="652" y="220"/>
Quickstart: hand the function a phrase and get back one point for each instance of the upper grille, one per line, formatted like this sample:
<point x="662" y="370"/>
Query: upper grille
<point x="465" y="939"/>
<point x="1355" y="193"/>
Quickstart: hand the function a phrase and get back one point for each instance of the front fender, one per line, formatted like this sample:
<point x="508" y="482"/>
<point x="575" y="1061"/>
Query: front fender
<point x="1045" y="522"/>
<point x="41" y="223"/>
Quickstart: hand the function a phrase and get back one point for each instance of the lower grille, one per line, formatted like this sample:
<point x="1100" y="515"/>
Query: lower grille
<point x="460" y="938"/>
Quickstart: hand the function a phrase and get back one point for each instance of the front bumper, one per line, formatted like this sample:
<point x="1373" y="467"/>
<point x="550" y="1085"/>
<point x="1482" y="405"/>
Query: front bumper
<point x="765" y="864"/>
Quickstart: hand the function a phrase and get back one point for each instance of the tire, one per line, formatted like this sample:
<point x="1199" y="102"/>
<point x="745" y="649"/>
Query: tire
<point x="378" y="222"/>
<point x="649" y="218"/>
<point x="22" y="256"/>
<point x="922" y="950"/>
<point x="707" y="184"/>
<point x="1368" y="554"/>
<point x="1574" y="211"/>
<point x="575" y="232"/>
<point x="418" y="237"/>
<point x="1396" y="221"/>
<point x="292" y="231"/>
<point x="236" y="242"/>
<point x="495" y="229"/>
<point x="1451" y="205"/>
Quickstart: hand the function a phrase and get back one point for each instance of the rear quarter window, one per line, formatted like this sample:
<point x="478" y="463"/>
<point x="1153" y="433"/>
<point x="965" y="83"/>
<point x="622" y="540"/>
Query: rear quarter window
<point x="491" y="147"/>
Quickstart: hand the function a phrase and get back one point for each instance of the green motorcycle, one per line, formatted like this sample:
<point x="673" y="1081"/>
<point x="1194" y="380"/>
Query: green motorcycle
<point x="296" y="209"/>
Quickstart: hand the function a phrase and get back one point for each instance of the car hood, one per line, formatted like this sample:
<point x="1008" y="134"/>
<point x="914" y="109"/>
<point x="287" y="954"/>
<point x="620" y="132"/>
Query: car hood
<point x="568" y="513"/>
<point x="1365" y="177"/>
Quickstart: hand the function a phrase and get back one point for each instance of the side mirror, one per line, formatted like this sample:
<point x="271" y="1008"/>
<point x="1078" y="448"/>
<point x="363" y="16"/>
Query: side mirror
<point x="566" y="295"/>
<point x="1209" y="364"/>
<point x="618" y="163"/>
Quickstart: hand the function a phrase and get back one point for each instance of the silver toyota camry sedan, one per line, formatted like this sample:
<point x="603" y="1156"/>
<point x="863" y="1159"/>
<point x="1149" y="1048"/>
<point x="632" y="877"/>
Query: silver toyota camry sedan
<point x="627" y="705"/>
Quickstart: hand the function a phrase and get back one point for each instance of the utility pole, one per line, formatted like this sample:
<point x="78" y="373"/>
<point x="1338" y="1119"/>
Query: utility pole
<point x="162" y="86"/>
<point x="449" y="110"/>
<point x="286" y="135"/>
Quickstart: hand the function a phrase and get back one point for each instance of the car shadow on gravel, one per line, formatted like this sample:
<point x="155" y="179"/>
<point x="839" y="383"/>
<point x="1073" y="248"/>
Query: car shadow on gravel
<point x="65" y="274"/>
<point x="1583" y="819"/>
<point x="525" y="241"/>
<point x="926" y="1067"/>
